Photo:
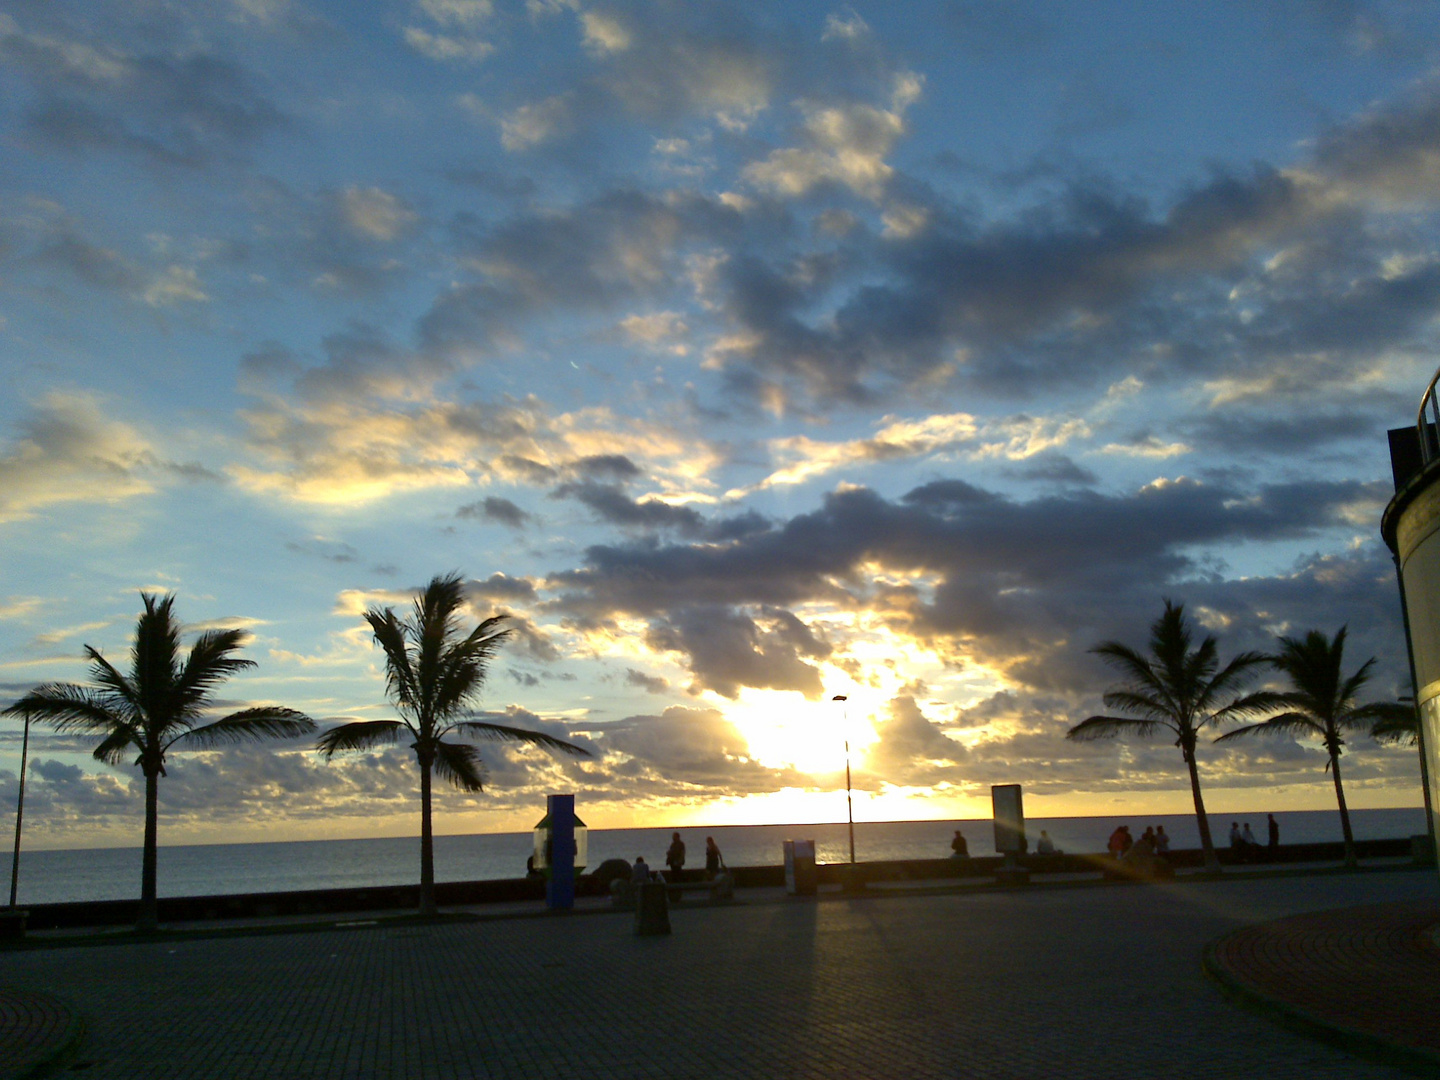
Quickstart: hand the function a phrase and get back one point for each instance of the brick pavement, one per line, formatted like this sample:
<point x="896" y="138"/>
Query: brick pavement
<point x="35" y="1029"/>
<point x="1370" y="972"/>
<point x="1079" y="983"/>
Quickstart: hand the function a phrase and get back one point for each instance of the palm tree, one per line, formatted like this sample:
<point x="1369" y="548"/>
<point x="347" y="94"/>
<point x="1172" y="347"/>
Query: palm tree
<point x="1322" y="704"/>
<point x="157" y="706"/>
<point x="434" y="673"/>
<point x="1177" y="689"/>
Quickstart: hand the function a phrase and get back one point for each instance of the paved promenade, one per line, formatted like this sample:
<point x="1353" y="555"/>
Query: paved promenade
<point x="1074" y="983"/>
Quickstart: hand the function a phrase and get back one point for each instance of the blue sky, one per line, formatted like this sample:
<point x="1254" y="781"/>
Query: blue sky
<point x="745" y="354"/>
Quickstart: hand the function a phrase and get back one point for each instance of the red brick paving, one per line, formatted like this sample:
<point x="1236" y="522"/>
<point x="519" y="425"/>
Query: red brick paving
<point x="33" y="1029"/>
<point x="1374" y="969"/>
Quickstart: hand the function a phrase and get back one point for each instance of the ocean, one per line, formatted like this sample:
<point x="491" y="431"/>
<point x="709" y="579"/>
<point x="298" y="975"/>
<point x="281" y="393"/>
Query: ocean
<point x="203" y="870"/>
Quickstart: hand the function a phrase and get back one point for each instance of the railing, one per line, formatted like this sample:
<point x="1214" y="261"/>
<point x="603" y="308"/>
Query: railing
<point x="1427" y="428"/>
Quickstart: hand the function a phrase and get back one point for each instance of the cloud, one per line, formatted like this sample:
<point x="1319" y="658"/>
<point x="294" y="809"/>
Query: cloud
<point x="1022" y="587"/>
<point x="375" y="214"/>
<point x="500" y="511"/>
<point x="846" y="145"/>
<point x="180" y="108"/>
<point x="69" y="451"/>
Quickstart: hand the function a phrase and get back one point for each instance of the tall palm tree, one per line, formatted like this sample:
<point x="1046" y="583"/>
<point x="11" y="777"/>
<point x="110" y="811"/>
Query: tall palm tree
<point x="158" y="706"/>
<point x="1321" y="704"/>
<point x="434" y="673"/>
<point x="1176" y="689"/>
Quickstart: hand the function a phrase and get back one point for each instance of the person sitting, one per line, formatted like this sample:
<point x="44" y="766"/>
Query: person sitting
<point x="1248" y="844"/>
<point x="1046" y="846"/>
<point x="1162" y="841"/>
<point x="959" y="848"/>
<point x="639" y="873"/>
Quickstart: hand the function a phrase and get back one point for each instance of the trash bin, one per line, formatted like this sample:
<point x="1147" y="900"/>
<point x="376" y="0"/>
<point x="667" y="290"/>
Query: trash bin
<point x="800" y="867"/>
<point x="652" y="909"/>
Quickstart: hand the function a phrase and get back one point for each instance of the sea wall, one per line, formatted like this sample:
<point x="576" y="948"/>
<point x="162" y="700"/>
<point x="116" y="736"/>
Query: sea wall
<point x="325" y="902"/>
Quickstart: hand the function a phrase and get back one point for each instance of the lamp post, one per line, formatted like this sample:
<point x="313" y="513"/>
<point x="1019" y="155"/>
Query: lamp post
<point x="19" y="810"/>
<point x="849" y="806"/>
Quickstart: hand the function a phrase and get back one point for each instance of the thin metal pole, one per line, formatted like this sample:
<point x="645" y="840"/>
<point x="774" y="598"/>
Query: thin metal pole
<point x="849" y="804"/>
<point x="1415" y="700"/>
<point x="19" y="811"/>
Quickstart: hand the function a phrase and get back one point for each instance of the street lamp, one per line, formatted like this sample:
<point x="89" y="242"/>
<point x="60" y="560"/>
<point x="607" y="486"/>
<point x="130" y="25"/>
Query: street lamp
<point x="19" y="810"/>
<point x="849" y="806"/>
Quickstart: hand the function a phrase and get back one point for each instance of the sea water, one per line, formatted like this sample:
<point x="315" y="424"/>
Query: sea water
<point x="211" y="869"/>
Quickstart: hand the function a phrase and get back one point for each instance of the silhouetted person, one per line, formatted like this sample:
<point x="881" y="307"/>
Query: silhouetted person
<point x="958" y="847"/>
<point x="1116" y="844"/>
<point x="675" y="857"/>
<point x="1274" y="828"/>
<point x="1162" y="841"/>
<point x="1046" y="846"/>
<point x="530" y="870"/>
<point x="713" y="859"/>
<point x="1126" y="840"/>
<point x="640" y="872"/>
<point x="1237" y="842"/>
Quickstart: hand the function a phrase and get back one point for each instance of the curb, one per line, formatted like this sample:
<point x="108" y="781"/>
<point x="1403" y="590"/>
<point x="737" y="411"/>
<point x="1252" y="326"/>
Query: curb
<point x="1383" y="1051"/>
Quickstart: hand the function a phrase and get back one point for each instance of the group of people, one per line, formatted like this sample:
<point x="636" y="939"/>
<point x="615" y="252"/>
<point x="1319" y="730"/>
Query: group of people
<point x="1244" y="845"/>
<point x="1153" y="841"/>
<point x="675" y="861"/>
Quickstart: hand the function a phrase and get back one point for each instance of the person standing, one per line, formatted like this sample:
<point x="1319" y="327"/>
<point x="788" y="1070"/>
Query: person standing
<point x="713" y="859"/>
<point x="1116" y="844"/>
<point x="1162" y="841"/>
<point x="1274" y="828"/>
<point x="675" y="857"/>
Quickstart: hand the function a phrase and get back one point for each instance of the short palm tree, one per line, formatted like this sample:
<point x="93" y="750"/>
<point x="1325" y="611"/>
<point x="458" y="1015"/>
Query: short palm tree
<point x="434" y="674"/>
<point x="158" y="706"/>
<point x="1176" y="689"/>
<point x="1321" y="704"/>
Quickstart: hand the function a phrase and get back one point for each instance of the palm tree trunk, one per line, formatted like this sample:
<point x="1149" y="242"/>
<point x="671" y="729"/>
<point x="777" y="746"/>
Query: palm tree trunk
<point x="1350" y="859"/>
<point x="1207" y="845"/>
<point x="149" y="913"/>
<point x="427" y="845"/>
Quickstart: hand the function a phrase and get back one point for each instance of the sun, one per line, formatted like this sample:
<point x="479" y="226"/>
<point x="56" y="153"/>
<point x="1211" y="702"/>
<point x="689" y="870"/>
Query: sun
<point x="784" y="729"/>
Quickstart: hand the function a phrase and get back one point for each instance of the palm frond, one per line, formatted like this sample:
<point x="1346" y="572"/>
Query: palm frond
<point x="465" y="664"/>
<point x="480" y="729"/>
<point x="460" y="764"/>
<point x="111" y="749"/>
<point x="1402" y="725"/>
<point x="74" y="709"/>
<point x="400" y="676"/>
<point x="109" y="679"/>
<point x="359" y="735"/>
<point x="1229" y="680"/>
<point x="1375" y="713"/>
<point x="249" y="725"/>
<point x="1107" y="727"/>
<point x="1289" y="723"/>
<point x="1142" y="704"/>
<point x="153" y="656"/>
<point x="1260" y="701"/>
<point x="210" y="663"/>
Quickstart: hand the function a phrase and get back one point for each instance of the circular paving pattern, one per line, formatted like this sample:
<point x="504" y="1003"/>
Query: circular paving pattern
<point x="1370" y="972"/>
<point x="34" y="1029"/>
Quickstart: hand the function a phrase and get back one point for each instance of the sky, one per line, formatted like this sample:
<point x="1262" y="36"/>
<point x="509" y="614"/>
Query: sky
<point x="745" y="354"/>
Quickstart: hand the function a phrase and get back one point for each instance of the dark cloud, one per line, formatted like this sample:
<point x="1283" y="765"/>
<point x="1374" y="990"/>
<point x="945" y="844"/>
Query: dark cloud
<point x="1025" y="585"/>
<point x="184" y="107"/>
<point x="651" y="684"/>
<point x="1052" y="468"/>
<point x="499" y="588"/>
<point x="611" y="504"/>
<point x="728" y="649"/>
<point x="500" y="511"/>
